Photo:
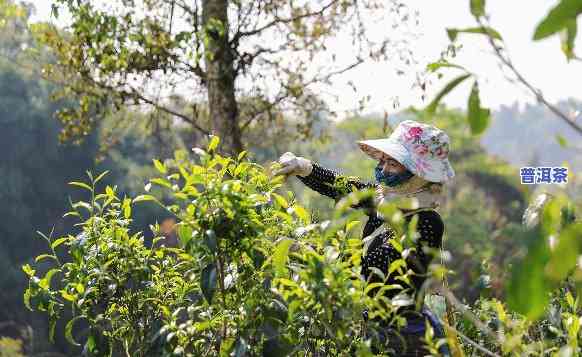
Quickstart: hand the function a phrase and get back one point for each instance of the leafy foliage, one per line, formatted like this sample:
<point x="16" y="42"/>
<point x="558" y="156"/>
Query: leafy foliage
<point x="562" y="17"/>
<point x="110" y="54"/>
<point x="239" y="282"/>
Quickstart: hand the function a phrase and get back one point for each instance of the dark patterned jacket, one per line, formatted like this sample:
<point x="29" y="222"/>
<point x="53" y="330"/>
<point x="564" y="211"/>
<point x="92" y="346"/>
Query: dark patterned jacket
<point x="381" y="252"/>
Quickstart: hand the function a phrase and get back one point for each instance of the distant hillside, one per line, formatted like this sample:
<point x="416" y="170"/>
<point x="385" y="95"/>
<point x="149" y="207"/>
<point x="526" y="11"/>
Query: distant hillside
<point x="528" y="136"/>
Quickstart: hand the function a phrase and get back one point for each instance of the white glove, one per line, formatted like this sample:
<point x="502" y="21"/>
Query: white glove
<point x="294" y="165"/>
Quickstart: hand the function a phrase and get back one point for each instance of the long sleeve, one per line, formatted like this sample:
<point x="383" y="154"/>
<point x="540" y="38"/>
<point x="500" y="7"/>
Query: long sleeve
<point x="430" y="227"/>
<point x="335" y="185"/>
<point x="381" y="253"/>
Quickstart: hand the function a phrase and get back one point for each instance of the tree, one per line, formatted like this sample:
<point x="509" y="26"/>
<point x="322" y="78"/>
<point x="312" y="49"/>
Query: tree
<point x="212" y="52"/>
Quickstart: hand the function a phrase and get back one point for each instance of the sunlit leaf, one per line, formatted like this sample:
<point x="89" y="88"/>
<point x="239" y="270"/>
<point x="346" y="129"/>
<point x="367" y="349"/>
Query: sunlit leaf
<point x="564" y="255"/>
<point x="213" y="143"/>
<point x="568" y="37"/>
<point x="478" y="117"/>
<point x="280" y="256"/>
<point x="160" y="167"/>
<point x="81" y="184"/>
<point x="69" y="330"/>
<point x="477" y="8"/>
<point x="101" y="176"/>
<point x="58" y="242"/>
<point x="161" y="182"/>
<point x="432" y="67"/>
<point x="126" y="206"/>
<point x="184" y="233"/>
<point x="44" y="256"/>
<point x="142" y="198"/>
<point x="281" y="201"/>
<point x="27" y="269"/>
<point x="301" y="213"/>
<point x="453" y="32"/>
<point x="558" y="18"/>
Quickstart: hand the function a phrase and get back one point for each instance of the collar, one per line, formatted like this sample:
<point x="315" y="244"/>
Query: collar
<point x="426" y="199"/>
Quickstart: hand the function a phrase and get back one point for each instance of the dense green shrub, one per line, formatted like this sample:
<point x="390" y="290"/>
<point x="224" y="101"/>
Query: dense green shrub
<point x="252" y="274"/>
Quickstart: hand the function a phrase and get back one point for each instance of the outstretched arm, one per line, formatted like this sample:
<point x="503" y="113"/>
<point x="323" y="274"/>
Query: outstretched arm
<point x="325" y="181"/>
<point x="334" y="184"/>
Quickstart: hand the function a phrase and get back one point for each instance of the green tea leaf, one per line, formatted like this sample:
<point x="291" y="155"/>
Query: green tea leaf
<point x="101" y="176"/>
<point x="184" y="233"/>
<point x="432" y="67"/>
<point x="45" y="282"/>
<point x="350" y="225"/>
<point x="160" y="167"/>
<point x="478" y="117"/>
<point x="281" y="201"/>
<point x="81" y="184"/>
<point x="69" y="330"/>
<point x="478" y="8"/>
<point x="226" y="347"/>
<point x="126" y="206"/>
<point x="558" y="18"/>
<point x="452" y="33"/>
<point x="213" y="143"/>
<point x="142" y="198"/>
<point x="528" y="290"/>
<point x="27" y="269"/>
<point x="210" y="240"/>
<point x="301" y="213"/>
<point x="431" y="108"/>
<point x="161" y="182"/>
<point x="568" y="39"/>
<point x="280" y="256"/>
<point x="208" y="282"/>
<point x="564" y="256"/>
<point x="45" y="256"/>
<point x="58" y="242"/>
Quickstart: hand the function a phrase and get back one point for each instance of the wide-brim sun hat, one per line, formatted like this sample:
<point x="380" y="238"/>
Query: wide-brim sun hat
<point x="422" y="148"/>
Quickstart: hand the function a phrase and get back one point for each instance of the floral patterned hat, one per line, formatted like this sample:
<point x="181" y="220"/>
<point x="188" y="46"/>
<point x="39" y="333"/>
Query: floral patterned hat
<point x="423" y="149"/>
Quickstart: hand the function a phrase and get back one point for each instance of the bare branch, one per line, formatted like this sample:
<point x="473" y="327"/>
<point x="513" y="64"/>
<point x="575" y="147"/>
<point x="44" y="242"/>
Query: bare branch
<point x="471" y="342"/>
<point x="156" y="105"/>
<point x="536" y="92"/>
<point x="137" y="94"/>
<point x="474" y="319"/>
<point x="279" y="20"/>
<point x="258" y="112"/>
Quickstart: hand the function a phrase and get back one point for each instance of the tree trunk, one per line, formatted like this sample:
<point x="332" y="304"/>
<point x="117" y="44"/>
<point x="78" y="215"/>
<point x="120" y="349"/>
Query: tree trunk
<point x="220" y="77"/>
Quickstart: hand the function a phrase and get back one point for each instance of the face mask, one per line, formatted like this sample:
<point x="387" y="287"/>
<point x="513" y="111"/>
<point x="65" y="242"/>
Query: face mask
<point x="391" y="179"/>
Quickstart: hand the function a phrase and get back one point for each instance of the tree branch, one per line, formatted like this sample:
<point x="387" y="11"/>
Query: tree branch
<point x="471" y="342"/>
<point x="536" y="92"/>
<point x="475" y="320"/>
<point x="169" y="111"/>
<point x="278" y="20"/>
<point x="136" y="94"/>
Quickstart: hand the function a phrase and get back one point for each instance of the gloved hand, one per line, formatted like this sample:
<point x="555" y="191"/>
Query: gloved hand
<point x="294" y="165"/>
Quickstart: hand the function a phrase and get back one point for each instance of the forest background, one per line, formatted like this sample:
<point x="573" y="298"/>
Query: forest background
<point x="42" y="152"/>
